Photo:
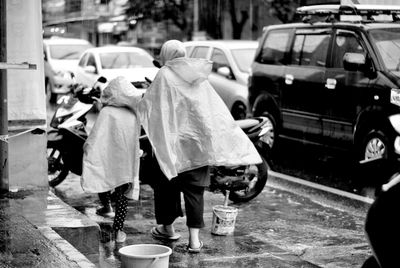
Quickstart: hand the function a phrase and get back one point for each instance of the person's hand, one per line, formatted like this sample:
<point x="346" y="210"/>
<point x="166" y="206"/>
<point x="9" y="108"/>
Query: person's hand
<point x="393" y="181"/>
<point x="97" y="103"/>
<point x="96" y="99"/>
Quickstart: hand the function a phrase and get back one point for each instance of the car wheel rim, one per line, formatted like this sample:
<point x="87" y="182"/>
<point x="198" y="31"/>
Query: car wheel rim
<point x="269" y="133"/>
<point x="375" y="148"/>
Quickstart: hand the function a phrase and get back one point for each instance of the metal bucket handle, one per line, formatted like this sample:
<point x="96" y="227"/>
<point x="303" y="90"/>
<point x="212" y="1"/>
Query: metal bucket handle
<point x="153" y="262"/>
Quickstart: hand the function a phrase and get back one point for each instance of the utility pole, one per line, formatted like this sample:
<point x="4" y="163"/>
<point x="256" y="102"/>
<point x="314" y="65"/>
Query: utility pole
<point x="4" y="180"/>
<point x="196" y="16"/>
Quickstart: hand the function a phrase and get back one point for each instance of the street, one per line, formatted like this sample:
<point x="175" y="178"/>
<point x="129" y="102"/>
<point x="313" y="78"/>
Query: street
<point x="279" y="226"/>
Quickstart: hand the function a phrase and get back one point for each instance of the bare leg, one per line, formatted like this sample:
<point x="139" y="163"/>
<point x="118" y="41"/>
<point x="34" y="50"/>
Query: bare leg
<point x="194" y="241"/>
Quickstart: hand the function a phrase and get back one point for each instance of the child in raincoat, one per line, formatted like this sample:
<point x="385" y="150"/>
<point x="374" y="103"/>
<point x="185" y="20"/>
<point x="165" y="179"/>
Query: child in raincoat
<point x="190" y="128"/>
<point x="111" y="152"/>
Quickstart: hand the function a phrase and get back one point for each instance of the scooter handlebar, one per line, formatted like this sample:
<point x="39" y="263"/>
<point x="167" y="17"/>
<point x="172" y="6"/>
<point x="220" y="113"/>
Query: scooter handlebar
<point x="85" y="94"/>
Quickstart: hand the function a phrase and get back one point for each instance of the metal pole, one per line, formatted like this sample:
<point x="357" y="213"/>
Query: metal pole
<point x="4" y="182"/>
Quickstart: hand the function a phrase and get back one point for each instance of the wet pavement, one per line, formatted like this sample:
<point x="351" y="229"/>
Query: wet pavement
<point x="24" y="243"/>
<point x="277" y="229"/>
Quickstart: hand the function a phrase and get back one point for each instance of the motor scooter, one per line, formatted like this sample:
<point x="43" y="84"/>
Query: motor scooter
<point x="382" y="222"/>
<point x="68" y="132"/>
<point x="66" y="139"/>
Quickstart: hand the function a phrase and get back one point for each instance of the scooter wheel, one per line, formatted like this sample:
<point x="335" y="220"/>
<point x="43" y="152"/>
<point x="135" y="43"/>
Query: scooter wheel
<point x="257" y="178"/>
<point x="58" y="179"/>
<point x="57" y="171"/>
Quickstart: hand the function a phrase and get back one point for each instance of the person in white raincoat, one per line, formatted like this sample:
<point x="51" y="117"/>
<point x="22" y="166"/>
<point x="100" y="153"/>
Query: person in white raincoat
<point x="190" y="128"/>
<point x="111" y="152"/>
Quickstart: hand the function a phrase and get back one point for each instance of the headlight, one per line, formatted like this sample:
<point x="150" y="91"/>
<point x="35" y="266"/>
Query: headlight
<point x="60" y="73"/>
<point x="395" y="96"/>
<point x="397" y="145"/>
<point x="395" y="121"/>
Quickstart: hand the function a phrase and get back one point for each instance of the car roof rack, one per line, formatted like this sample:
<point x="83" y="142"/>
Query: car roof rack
<point x="359" y="13"/>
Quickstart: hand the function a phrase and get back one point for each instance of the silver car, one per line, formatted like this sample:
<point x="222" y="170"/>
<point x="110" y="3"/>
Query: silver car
<point x="61" y="58"/>
<point x="231" y="66"/>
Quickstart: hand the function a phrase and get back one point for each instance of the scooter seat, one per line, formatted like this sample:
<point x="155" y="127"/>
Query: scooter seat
<point x="247" y="123"/>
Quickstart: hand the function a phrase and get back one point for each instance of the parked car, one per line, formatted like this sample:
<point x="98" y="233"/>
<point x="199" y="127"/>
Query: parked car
<point x="61" y="58"/>
<point x="334" y="83"/>
<point x="111" y="61"/>
<point x="231" y="65"/>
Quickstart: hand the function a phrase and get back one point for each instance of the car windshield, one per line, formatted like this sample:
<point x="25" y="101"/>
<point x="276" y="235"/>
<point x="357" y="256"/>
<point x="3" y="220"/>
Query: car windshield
<point x="125" y="60"/>
<point x="244" y="58"/>
<point x="388" y="44"/>
<point x="67" y="52"/>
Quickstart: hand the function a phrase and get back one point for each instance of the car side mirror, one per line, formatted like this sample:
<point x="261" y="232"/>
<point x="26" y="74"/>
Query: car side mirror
<point x="90" y="69"/>
<point x="354" y="62"/>
<point x="225" y="71"/>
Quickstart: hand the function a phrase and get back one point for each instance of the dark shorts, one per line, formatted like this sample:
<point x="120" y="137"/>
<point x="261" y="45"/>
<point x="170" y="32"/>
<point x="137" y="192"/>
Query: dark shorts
<point x="167" y="196"/>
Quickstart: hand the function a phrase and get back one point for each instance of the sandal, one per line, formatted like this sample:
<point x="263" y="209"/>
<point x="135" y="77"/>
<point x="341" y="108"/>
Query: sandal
<point x="195" y="250"/>
<point x="120" y="237"/>
<point x="159" y="235"/>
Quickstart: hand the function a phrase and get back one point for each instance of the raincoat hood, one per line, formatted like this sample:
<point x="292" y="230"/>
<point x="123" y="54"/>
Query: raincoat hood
<point x="170" y="50"/>
<point x="173" y="55"/>
<point x="121" y="93"/>
<point x="188" y="124"/>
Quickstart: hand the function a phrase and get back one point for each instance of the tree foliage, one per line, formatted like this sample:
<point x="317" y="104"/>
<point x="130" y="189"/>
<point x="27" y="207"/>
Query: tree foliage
<point x="178" y="11"/>
<point x="284" y="10"/>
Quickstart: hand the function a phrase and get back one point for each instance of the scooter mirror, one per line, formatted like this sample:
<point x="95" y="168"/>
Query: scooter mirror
<point x="102" y="79"/>
<point x="157" y="63"/>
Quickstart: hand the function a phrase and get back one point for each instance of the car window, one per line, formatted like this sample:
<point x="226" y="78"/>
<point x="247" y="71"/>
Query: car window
<point x="83" y="60"/>
<point x="91" y="61"/>
<point x="67" y="52"/>
<point x="199" y="52"/>
<point x="388" y="43"/>
<point x="310" y="49"/>
<point x="188" y="51"/>
<point x="219" y="59"/>
<point x="275" y="47"/>
<point x="243" y="58"/>
<point x="125" y="60"/>
<point x="345" y="41"/>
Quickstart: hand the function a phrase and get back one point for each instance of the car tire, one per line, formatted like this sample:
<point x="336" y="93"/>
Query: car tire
<point x="375" y="159"/>
<point x="51" y="97"/>
<point x="239" y="111"/>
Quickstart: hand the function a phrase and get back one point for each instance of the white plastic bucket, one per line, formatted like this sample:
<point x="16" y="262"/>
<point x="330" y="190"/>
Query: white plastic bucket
<point x="224" y="218"/>
<point x="145" y="256"/>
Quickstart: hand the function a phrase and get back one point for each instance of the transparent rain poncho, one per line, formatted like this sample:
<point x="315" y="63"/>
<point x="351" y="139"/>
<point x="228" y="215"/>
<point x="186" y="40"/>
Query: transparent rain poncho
<point x="188" y="124"/>
<point x="111" y="152"/>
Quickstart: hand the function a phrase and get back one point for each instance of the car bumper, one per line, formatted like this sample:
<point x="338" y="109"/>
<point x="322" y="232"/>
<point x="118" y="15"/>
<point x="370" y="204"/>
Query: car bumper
<point x="395" y="122"/>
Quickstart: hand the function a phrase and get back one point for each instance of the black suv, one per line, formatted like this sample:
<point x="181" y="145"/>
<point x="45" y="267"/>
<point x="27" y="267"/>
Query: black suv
<point x="332" y="82"/>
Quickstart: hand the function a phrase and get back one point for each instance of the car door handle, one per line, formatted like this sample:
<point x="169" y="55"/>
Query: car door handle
<point x="330" y="83"/>
<point x="289" y="79"/>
